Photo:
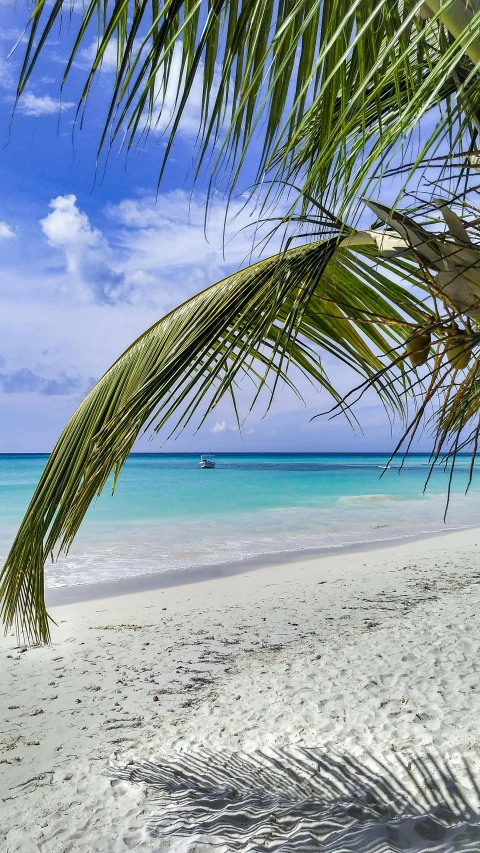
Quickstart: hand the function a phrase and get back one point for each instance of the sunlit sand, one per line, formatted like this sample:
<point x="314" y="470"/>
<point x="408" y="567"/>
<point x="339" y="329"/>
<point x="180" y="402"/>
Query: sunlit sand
<point x="374" y="653"/>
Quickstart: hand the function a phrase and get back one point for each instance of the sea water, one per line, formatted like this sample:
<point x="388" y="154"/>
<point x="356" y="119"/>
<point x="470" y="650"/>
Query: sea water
<point x="169" y="514"/>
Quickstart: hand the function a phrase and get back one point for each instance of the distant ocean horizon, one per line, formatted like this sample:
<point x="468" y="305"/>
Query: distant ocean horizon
<point x="168" y="514"/>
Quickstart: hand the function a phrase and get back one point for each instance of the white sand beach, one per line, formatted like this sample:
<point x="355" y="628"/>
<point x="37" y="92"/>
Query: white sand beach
<point x="372" y="653"/>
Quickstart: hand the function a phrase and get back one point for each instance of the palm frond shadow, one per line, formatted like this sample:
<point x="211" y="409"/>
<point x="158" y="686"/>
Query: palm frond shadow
<point x="294" y="799"/>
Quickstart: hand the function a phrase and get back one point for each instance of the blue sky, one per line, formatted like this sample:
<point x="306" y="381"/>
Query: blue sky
<point x="88" y="261"/>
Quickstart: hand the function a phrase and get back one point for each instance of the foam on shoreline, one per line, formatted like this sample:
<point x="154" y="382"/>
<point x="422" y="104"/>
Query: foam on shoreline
<point x="56" y="596"/>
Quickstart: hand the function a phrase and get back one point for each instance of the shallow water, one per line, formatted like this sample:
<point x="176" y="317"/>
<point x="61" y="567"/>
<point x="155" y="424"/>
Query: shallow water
<point x="167" y="513"/>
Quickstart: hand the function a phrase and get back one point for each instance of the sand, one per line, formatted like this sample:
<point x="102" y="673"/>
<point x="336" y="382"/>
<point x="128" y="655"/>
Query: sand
<point x="371" y="653"/>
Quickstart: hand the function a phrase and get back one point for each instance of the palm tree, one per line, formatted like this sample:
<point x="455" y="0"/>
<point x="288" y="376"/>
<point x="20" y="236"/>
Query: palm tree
<point x="339" y="87"/>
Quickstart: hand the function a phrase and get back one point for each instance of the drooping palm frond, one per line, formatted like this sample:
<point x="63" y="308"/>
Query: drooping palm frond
<point x="320" y="91"/>
<point x="278" y="314"/>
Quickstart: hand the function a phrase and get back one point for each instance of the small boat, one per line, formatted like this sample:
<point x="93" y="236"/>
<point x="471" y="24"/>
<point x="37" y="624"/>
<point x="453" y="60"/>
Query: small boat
<point x="207" y="462"/>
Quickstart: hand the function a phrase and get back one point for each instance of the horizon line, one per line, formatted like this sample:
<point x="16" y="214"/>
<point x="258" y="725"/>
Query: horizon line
<point x="247" y="453"/>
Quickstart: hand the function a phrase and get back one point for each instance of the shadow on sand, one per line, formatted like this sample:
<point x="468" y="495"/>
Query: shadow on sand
<point x="306" y="799"/>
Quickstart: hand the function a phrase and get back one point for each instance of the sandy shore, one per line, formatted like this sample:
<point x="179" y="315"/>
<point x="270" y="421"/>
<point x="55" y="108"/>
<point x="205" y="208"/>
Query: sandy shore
<point x="372" y="653"/>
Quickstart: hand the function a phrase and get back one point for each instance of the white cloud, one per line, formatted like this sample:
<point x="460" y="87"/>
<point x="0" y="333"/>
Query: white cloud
<point x="82" y="289"/>
<point x="45" y="105"/>
<point x="170" y="233"/>
<point x="89" y="258"/>
<point x="222" y="426"/>
<point x="156" y="252"/>
<point x="11" y="34"/>
<point x="6" y="76"/>
<point x="166" y="102"/>
<point x="6" y="232"/>
<point x="109" y="60"/>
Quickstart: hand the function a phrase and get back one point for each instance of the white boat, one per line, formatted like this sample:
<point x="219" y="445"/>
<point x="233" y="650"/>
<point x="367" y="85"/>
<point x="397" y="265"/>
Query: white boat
<point x="207" y="462"/>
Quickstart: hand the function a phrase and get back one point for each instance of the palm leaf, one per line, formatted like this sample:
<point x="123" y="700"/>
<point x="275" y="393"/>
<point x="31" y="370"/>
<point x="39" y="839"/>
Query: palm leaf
<point x="278" y="314"/>
<point x="326" y="91"/>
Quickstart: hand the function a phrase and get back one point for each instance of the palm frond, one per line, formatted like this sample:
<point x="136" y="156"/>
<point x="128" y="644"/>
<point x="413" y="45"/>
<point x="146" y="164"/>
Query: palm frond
<point x="323" y="92"/>
<point x="278" y="314"/>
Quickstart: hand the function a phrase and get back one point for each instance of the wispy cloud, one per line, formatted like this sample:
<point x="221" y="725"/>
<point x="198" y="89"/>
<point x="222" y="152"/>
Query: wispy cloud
<point x="11" y="34"/>
<point x="25" y="381"/>
<point x="171" y="233"/>
<point x="7" y="80"/>
<point x="6" y="232"/>
<point x="166" y="102"/>
<point x="109" y="59"/>
<point x="43" y="105"/>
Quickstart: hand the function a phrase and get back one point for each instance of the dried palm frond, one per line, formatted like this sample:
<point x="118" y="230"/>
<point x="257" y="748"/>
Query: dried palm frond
<point x="447" y="397"/>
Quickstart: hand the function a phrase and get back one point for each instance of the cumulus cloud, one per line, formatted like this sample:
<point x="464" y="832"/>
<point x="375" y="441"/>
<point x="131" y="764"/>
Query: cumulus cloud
<point x="6" y="232"/>
<point x="43" y="105"/>
<point x="24" y="381"/>
<point x="89" y="258"/>
<point x="156" y="251"/>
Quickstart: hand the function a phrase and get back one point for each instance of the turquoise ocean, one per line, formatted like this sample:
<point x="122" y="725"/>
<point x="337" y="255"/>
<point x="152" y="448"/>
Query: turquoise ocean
<point x="168" y="514"/>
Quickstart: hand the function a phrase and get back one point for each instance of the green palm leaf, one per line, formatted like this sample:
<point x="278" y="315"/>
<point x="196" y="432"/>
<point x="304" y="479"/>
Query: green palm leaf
<point x="278" y="314"/>
<point x="324" y="93"/>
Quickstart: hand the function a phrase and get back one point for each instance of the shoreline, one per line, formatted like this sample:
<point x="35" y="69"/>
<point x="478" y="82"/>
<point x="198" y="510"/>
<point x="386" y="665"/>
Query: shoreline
<point x="77" y="593"/>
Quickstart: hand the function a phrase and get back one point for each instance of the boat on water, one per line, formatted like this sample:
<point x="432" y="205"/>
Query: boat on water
<point x="207" y="461"/>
